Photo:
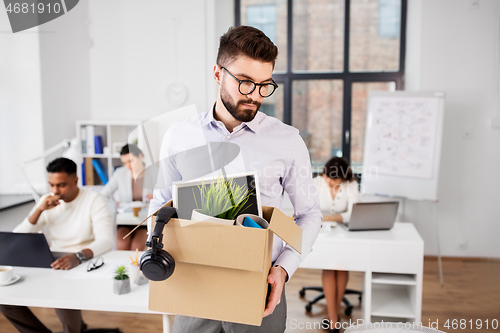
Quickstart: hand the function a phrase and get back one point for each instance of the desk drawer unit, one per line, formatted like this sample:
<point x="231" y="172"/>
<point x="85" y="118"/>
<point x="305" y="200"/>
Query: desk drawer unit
<point x="338" y="255"/>
<point x="396" y="259"/>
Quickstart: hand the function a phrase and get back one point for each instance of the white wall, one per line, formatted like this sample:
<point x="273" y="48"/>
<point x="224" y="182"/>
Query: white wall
<point x="65" y="75"/>
<point x="454" y="49"/>
<point x="139" y="48"/>
<point x="102" y="60"/>
<point x="21" y="134"/>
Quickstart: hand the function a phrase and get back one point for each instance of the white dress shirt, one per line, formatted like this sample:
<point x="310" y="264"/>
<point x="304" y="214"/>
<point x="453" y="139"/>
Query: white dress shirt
<point x="121" y="182"/>
<point x="273" y="150"/>
<point x="347" y="195"/>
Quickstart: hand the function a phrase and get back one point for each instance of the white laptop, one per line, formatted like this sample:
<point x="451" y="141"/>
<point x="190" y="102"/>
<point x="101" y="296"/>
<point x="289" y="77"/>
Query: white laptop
<point x="372" y="216"/>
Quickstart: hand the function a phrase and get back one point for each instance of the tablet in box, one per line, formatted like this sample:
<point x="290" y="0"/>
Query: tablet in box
<point x="220" y="270"/>
<point x="185" y="195"/>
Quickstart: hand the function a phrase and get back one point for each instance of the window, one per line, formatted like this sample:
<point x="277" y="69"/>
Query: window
<point x="390" y="18"/>
<point x="332" y="53"/>
<point x="263" y="18"/>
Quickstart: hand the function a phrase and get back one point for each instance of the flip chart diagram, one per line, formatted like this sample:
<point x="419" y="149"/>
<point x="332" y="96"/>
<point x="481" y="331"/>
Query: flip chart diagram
<point x="403" y="136"/>
<point x="402" y="144"/>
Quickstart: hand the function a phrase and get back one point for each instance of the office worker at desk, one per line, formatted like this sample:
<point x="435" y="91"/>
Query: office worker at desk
<point x="338" y="191"/>
<point x="273" y="150"/>
<point x="79" y="222"/>
<point x="127" y="181"/>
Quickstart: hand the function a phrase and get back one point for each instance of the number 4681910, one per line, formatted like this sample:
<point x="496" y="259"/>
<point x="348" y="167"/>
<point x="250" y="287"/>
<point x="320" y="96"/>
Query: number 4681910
<point x="31" y="8"/>
<point x="471" y="324"/>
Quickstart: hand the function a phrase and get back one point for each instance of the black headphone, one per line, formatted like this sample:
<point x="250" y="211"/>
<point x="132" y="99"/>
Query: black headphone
<point x="157" y="264"/>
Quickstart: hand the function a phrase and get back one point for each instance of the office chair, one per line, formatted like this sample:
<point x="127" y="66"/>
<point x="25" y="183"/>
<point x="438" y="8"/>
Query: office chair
<point x="348" y="309"/>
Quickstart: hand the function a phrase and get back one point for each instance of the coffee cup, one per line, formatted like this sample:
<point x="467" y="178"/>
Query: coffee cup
<point x="136" y="210"/>
<point x="136" y="207"/>
<point x="6" y="274"/>
<point x="257" y="219"/>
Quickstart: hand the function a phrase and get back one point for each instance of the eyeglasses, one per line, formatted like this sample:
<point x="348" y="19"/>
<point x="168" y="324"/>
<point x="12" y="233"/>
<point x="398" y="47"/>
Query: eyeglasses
<point x="95" y="264"/>
<point x="247" y="87"/>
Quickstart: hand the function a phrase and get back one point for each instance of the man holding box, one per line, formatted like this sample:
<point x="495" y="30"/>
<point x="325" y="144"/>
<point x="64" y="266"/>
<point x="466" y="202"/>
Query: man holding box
<point x="275" y="151"/>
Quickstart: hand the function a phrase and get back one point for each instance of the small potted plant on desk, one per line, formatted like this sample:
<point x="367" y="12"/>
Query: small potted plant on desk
<point x="221" y="201"/>
<point x="121" y="281"/>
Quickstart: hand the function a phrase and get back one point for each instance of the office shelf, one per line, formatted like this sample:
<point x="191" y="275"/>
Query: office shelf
<point x="392" y="301"/>
<point x="114" y="135"/>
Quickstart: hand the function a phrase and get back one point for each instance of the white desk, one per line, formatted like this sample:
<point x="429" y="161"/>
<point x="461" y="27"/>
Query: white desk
<point x="48" y="288"/>
<point x="128" y="218"/>
<point x="392" y="261"/>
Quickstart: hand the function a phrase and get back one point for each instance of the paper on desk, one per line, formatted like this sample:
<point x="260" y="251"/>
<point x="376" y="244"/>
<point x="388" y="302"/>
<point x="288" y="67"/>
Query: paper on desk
<point x="106" y="271"/>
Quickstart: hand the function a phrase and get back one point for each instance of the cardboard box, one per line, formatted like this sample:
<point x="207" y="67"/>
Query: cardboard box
<point x="220" y="271"/>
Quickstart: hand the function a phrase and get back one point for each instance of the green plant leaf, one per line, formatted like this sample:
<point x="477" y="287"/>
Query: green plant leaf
<point x="223" y="199"/>
<point x="121" y="273"/>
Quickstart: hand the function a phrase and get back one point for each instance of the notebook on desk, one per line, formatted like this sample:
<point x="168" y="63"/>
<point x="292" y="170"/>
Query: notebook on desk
<point x="372" y="216"/>
<point x="26" y="250"/>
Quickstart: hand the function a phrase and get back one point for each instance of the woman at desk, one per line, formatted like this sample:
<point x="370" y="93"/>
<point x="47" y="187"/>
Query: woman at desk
<point x="129" y="189"/>
<point x="338" y="191"/>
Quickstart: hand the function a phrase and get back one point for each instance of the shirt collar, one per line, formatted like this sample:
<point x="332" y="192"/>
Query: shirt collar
<point x="252" y="125"/>
<point x="209" y="117"/>
<point x="255" y="123"/>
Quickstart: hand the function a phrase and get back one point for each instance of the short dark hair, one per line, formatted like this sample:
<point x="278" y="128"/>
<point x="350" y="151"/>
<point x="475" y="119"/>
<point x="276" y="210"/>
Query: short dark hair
<point x="131" y="148"/>
<point x="62" y="164"/>
<point x="248" y="41"/>
<point x="338" y="167"/>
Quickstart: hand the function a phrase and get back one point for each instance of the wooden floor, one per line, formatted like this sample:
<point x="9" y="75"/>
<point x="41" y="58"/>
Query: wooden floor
<point x="471" y="292"/>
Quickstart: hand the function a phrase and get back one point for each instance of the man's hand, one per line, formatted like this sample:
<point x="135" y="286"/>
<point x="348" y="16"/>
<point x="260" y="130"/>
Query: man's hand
<point x="49" y="202"/>
<point x="276" y="278"/>
<point x="66" y="262"/>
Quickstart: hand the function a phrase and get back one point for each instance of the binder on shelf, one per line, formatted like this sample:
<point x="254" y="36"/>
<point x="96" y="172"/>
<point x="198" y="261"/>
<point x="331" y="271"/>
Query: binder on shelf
<point x="83" y="174"/>
<point x="90" y="142"/>
<point x="83" y="133"/>
<point x="89" y="171"/>
<point x="98" y="144"/>
<point x="101" y="171"/>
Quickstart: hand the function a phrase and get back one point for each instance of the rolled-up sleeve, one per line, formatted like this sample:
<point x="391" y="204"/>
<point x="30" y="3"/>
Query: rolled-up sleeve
<point x="26" y="227"/>
<point x="110" y="187"/>
<point x="301" y="189"/>
<point x="102" y="226"/>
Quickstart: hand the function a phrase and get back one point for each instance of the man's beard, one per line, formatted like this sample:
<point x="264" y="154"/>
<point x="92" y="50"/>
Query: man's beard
<point x="237" y="111"/>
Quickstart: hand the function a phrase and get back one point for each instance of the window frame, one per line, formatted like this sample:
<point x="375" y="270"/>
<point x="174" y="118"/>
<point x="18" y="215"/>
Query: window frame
<point x="348" y="78"/>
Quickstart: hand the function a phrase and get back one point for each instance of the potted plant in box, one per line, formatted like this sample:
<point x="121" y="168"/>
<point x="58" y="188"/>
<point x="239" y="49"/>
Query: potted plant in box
<point x="221" y="201"/>
<point x="121" y="281"/>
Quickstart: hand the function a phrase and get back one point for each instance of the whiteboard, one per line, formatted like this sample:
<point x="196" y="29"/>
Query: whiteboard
<point x="403" y="144"/>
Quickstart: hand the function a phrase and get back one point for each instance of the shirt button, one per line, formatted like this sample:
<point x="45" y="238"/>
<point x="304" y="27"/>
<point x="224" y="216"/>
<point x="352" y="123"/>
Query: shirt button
<point x="228" y="137"/>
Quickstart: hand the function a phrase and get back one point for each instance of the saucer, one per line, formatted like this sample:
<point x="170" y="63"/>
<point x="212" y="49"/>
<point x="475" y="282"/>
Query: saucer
<point x="14" y="279"/>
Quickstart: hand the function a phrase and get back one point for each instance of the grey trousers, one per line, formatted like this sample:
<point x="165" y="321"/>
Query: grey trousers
<point x="274" y="323"/>
<point x="26" y="322"/>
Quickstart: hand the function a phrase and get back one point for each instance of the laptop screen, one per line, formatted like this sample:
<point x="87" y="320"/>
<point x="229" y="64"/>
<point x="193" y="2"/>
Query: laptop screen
<point x="373" y="215"/>
<point x="25" y="250"/>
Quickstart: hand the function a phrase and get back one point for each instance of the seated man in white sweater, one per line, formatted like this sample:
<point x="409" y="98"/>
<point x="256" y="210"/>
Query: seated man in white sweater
<point x="78" y="221"/>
